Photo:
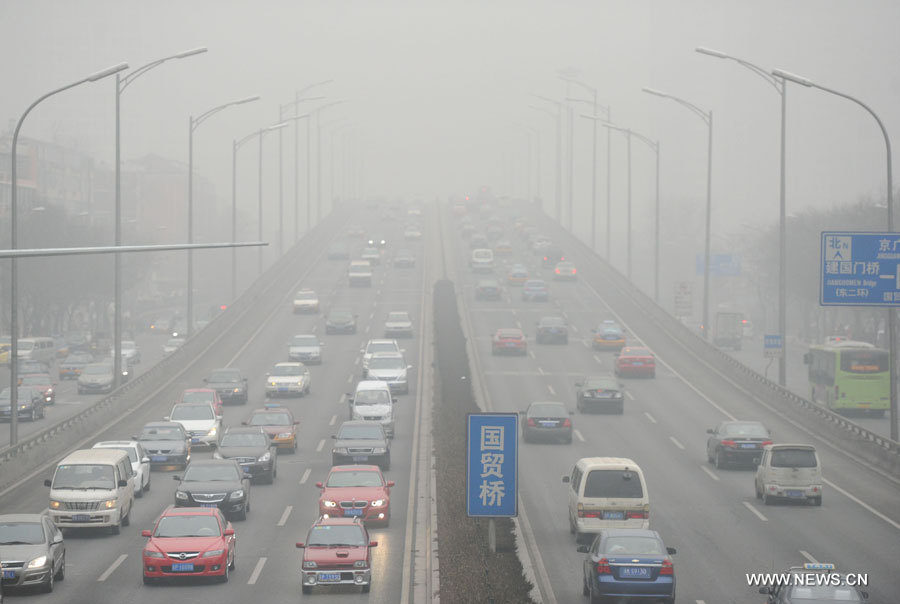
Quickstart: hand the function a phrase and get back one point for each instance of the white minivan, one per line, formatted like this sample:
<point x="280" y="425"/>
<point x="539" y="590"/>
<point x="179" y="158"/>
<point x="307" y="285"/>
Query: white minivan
<point x="606" y="492"/>
<point x="91" y="488"/>
<point x="37" y="349"/>
<point x="372" y="401"/>
<point x="482" y="260"/>
<point x="789" y="472"/>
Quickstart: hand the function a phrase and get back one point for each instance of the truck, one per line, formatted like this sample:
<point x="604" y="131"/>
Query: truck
<point x="729" y="329"/>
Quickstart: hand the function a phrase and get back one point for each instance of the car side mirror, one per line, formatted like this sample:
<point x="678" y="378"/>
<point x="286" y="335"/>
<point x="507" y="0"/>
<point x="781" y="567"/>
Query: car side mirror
<point x="47" y="482"/>
<point x="565" y="479"/>
<point x="176" y="478"/>
<point x="229" y="532"/>
<point x="710" y="431"/>
<point x="146" y="533"/>
<point x="373" y="544"/>
<point x="243" y="423"/>
<point x="582" y="549"/>
<point x="320" y="485"/>
<point x="296" y="423"/>
<point x="220" y="417"/>
<point x="300" y="545"/>
<point x="806" y="359"/>
<point x="166" y="418"/>
<point x="671" y="551"/>
<point x="145" y="460"/>
<point x="394" y="399"/>
<point x="268" y="375"/>
<point x="244" y="380"/>
<point x="334" y="436"/>
<point x="409" y="366"/>
<point x="248" y="475"/>
<point x="122" y="483"/>
<point x="134" y="437"/>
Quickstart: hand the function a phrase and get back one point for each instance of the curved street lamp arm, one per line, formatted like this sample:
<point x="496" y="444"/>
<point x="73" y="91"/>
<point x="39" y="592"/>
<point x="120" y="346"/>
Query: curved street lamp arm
<point x="204" y="116"/>
<point x="128" y="79"/>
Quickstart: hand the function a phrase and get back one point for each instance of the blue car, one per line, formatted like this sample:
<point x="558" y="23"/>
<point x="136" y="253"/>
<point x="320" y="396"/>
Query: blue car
<point x="628" y="563"/>
<point x="535" y="290"/>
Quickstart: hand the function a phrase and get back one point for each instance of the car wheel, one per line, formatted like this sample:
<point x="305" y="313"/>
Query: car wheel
<point x="719" y="461"/>
<point x="306" y="589"/>
<point x="225" y="575"/>
<point x="579" y="406"/>
<point x="817" y="501"/>
<point x="652" y="374"/>
<point x="366" y="588"/>
<point x="596" y="598"/>
<point x="139" y="492"/>
<point x="233" y="559"/>
<point x="115" y="529"/>
<point x="757" y="491"/>
<point x="147" y="486"/>
<point x="126" y="519"/>
<point x="622" y="408"/>
<point x="585" y="590"/>
<point x="767" y="499"/>
<point x="242" y="515"/>
<point x="571" y="526"/>
<point x="47" y="587"/>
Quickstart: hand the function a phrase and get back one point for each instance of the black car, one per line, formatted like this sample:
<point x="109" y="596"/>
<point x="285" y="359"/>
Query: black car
<point x="30" y="401"/>
<point x="600" y="393"/>
<point x="217" y="483"/>
<point x="404" y="259"/>
<point x="166" y="443"/>
<point x="488" y="289"/>
<point x="547" y="421"/>
<point x="552" y="330"/>
<point x="737" y="442"/>
<point x="360" y="441"/>
<point x="340" y="321"/>
<point x="251" y="448"/>
<point x="229" y="383"/>
<point x="552" y="256"/>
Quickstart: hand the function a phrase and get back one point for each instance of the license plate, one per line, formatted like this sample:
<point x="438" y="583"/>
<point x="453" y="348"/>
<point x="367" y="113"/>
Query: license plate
<point x="748" y="446"/>
<point x="282" y="389"/>
<point x="635" y="572"/>
<point x="510" y="345"/>
<point x="183" y="567"/>
<point x="360" y="458"/>
<point x="353" y="512"/>
<point x="614" y="515"/>
<point x="195" y="440"/>
<point x="794" y="493"/>
<point x="245" y="468"/>
<point x="329" y="577"/>
<point x="208" y="505"/>
<point x="158" y="458"/>
<point x="548" y="424"/>
<point x="637" y="364"/>
<point x="81" y="517"/>
<point x="9" y="574"/>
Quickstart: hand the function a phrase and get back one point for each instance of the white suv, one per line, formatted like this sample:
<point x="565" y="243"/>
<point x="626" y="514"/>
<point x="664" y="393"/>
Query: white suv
<point x="199" y="420"/>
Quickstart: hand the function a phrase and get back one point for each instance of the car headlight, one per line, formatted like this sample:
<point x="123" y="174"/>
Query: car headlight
<point x="273" y="383"/>
<point x="340" y="450"/>
<point x="217" y="455"/>
<point x="49" y="390"/>
<point x="329" y="504"/>
<point x="360" y="564"/>
<point x="213" y="553"/>
<point x="109" y="504"/>
<point x="153" y="554"/>
<point x="237" y="390"/>
<point x="309" y="564"/>
<point x="379" y="450"/>
<point x="55" y="505"/>
<point x="265" y="456"/>
<point x="212" y="431"/>
<point x="283" y="435"/>
<point x="181" y="495"/>
<point x="239" y="494"/>
<point x="37" y="562"/>
<point x="378" y="503"/>
<point x="618" y="395"/>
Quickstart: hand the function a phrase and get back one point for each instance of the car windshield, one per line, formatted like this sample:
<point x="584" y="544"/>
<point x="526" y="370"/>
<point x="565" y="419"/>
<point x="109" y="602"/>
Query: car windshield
<point x="310" y="341"/>
<point x="794" y="458"/>
<point x="198" y="397"/>
<point x="816" y="594"/>
<point x="211" y="473"/>
<point x="305" y="296"/>
<point x="613" y="484"/>
<point x="226" y="375"/>
<point x="354" y="478"/>
<point x="21" y="533"/>
<point x="553" y="322"/>
<point x="336" y="535"/>
<point x="244" y="440"/>
<point x="372" y="397"/>
<point x="35" y="380"/>
<point x="79" y="358"/>
<point x="548" y="410"/>
<point x="128" y="345"/>
<point x="361" y="433"/>
<point x="192" y="412"/>
<point x="270" y="419"/>
<point x="287" y="370"/>
<point x="633" y="546"/>
<point x="341" y="315"/>
<point x="84" y="476"/>
<point x="387" y="363"/>
<point x="381" y="347"/>
<point x="398" y="316"/>
<point x="24" y="394"/>
<point x="194" y="525"/>
<point x="161" y="433"/>
<point x="751" y="430"/>
<point x="97" y="370"/>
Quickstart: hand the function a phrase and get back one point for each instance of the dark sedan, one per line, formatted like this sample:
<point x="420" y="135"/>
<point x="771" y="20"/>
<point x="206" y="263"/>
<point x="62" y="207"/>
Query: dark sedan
<point x="547" y="421"/>
<point x="340" y="321"/>
<point x="30" y="401"/>
<point x="487" y="289"/>
<point x="363" y="442"/>
<point x="210" y="483"/>
<point x="737" y="443"/>
<point x="404" y="259"/>
<point x="628" y="563"/>
<point x="552" y="330"/>
<point x="229" y="383"/>
<point x="600" y="393"/>
<point x="166" y="443"/>
<point x="535" y="290"/>
<point x="251" y="448"/>
<point x="32" y="550"/>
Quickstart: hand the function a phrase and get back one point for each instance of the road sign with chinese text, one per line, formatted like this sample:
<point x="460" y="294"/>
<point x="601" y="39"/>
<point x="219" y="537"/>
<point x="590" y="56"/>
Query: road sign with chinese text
<point x="860" y="269"/>
<point x="492" y="464"/>
<point x="720" y="265"/>
<point x="773" y="346"/>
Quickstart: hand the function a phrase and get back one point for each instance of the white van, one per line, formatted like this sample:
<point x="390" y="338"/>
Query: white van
<point x="482" y="260"/>
<point x="789" y="472"/>
<point x="92" y="487"/>
<point x="372" y="401"/>
<point x="37" y="349"/>
<point x="606" y="492"/>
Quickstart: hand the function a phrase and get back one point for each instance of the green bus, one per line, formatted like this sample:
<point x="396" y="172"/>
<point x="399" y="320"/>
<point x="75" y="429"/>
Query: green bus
<point x="849" y="377"/>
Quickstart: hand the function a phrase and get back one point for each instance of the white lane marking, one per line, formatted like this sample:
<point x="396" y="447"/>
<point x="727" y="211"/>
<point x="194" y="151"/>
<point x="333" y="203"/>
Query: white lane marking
<point x="343" y="399"/>
<point x="598" y="359"/>
<point x="893" y="523"/>
<point x="368" y="329"/>
<point x="305" y="476"/>
<point x="550" y="388"/>
<point x="321" y="444"/>
<point x="699" y="602"/>
<point x="629" y="395"/>
<point x="378" y="294"/>
<point x="112" y="568"/>
<point x="356" y="361"/>
<point x="586" y="343"/>
<point x="314" y="328"/>
<point x="531" y="354"/>
<point x="372" y="315"/>
<point x="578" y="435"/>
<point x="574" y="329"/>
<point x="513" y="312"/>
<point x="333" y="419"/>
<point x="676" y="443"/>
<point x="519" y="324"/>
<point x="650" y="417"/>
<point x="284" y="516"/>
<point x="709" y="472"/>
<point x="756" y="512"/>
<point x="808" y="556"/>
<point x="256" y="570"/>
<point x="565" y="315"/>
<point x="350" y="378"/>
<point x="541" y="370"/>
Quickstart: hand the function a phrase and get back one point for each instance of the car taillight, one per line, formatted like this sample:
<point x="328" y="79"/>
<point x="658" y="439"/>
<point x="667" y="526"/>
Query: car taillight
<point x="728" y="443"/>
<point x="603" y="567"/>
<point x="766" y="442"/>
<point x="667" y="568"/>
<point x="567" y="423"/>
<point x="531" y="422"/>
<point x="573" y="271"/>
<point x="557" y="271"/>
<point x="636" y="514"/>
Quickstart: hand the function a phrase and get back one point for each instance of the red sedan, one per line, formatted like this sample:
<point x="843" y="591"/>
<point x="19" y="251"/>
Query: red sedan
<point x="635" y="361"/>
<point x="202" y="395"/>
<point x="356" y="492"/>
<point x="337" y="553"/>
<point x="509" y="341"/>
<point x="189" y="542"/>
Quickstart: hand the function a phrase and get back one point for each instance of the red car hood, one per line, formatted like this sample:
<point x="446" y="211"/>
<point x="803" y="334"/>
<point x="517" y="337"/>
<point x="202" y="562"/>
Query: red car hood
<point x="185" y="544"/>
<point x="331" y="556"/>
<point x="354" y="493"/>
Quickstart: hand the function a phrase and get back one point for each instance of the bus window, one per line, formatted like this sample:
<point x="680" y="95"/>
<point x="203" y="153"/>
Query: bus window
<point x="864" y="361"/>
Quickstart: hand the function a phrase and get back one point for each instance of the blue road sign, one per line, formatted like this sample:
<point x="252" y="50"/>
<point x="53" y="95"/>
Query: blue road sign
<point x="492" y="464"/>
<point x="860" y="269"/>
<point x="721" y="265"/>
<point x="773" y="346"/>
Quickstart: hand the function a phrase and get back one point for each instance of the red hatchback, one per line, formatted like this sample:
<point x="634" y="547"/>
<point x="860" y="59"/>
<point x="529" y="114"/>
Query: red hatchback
<point x="189" y="542"/>
<point x="509" y="341"/>
<point x="202" y="395"/>
<point x="635" y="361"/>
<point x="356" y="492"/>
<point x="337" y="553"/>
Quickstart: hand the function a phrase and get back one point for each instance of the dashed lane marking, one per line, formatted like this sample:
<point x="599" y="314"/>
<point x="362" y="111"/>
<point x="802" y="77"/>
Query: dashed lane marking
<point x="256" y="571"/>
<point x="578" y="435"/>
<point x="321" y="444"/>
<point x="650" y="417"/>
<point x="756" y="512"/>
<point x="305" y="476"/>
<point x="287" y="512"/>
<point x="709" y="473"/>
<point x="112" y="568"/>
<point x="676" y="443"/>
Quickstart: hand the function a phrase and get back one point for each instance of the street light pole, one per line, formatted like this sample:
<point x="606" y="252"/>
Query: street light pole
<point x="595" y="112"/>
<point x="121" y="84"/>
<point x="193" y="124"/>
<point x="14" y="241"/>
<point x="316" y="113"/>
<point x="707" y="117"/>
<point x="558" y="117"/>
<point x="892" y="336"/>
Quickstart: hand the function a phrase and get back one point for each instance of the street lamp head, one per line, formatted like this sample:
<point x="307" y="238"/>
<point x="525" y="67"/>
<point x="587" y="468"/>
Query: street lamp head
<point x="294" y="118"/>
<point x="786" y="75"/>
<point x="276" y="127"/>
<point x="711" y="52"/>
<point x="107" y="72"/>
<point x="654" y="92"/>
<point x="596" y="118"/>
<point x="190" y="53"/>
<point x="249" y="99"/>
<point x="311" y="98"/>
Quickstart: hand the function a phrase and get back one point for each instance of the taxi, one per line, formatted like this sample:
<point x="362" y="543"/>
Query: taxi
<point x="518" y="275"/>
<point x="278" y="422"/>
<point x="609" y="335"/>
<point x="838" y="588"/>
